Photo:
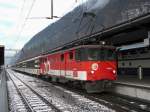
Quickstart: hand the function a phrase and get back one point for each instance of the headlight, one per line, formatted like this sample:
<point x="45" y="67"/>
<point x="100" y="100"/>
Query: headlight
<point x="92" y="72"/>
<point x="114" y="71"/>
<point x="94" y="66"/>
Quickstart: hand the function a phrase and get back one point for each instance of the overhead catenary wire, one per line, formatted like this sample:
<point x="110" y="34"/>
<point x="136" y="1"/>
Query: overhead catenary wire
<point x="27" y="17"/>
<point x="17" y="26"/>
<point x="22" y="8"/>
<point x="24" y="23"/>
<point x="82" y="14"/>
<point x="21" y="11"/>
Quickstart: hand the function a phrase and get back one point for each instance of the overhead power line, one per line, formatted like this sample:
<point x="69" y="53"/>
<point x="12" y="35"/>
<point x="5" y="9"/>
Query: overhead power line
<point x="29" y="12"/>
<point x="52" y="8"/>
<point x="24" y="23"/>
<point x="27" y="17"/>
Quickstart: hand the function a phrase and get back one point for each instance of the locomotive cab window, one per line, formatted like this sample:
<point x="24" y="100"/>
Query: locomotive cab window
<point x="95" y="54"/>
<point x="92" y="54"/>
<point x="101" y="54"/>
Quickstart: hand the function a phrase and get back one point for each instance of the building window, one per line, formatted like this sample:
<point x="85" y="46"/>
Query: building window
<point x="123" y="64"/>
<point x="130" y="64"/>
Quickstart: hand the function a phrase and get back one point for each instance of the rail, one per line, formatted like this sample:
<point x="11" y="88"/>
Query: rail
<point x="37" y="94"/>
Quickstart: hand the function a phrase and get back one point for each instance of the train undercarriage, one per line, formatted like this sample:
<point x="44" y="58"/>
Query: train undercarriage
<point x="88" y="86"/>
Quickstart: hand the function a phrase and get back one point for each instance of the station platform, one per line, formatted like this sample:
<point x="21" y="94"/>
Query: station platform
<point x="133" y="86"/>
<point x="134" y="81"/>
<point x="3" y="92"/>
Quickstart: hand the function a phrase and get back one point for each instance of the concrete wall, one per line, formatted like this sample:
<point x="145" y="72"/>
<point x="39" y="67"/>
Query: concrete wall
<point x="133" y="91"/>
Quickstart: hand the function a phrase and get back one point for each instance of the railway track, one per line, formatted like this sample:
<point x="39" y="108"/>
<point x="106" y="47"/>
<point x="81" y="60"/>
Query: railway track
<point x="118" y="102"/>
<point x="121" y="102"/>
<point x="113" y="101"/>
<point x="69" y="101"/>
<point x="34" y="102"/>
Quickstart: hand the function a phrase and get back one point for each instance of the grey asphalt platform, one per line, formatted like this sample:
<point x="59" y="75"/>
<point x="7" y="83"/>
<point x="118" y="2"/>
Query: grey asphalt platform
<point x="3" y="92"/>
<point x="133" y="86"/>
<point x="134" y="81"/>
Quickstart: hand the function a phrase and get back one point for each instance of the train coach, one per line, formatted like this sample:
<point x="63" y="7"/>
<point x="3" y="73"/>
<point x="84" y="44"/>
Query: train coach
<point x="93" y="67"/>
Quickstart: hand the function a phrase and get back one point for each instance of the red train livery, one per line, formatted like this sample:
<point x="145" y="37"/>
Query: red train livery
<point x="84" y="63"/>
<point x="91" y="66"/>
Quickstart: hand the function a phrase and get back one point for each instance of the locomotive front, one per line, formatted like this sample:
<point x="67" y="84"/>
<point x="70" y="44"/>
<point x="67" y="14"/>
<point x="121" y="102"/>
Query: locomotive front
<point x="100" y="64"/>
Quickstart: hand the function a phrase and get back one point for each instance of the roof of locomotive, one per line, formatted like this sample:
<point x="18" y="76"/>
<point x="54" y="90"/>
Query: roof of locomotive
<point x="79" y="47"/>
<point x="92" y="46"/>
<point x="68" y="50"/>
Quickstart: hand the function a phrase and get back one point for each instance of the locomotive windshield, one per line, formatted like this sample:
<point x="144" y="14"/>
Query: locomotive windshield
<point x="95" y="54"/>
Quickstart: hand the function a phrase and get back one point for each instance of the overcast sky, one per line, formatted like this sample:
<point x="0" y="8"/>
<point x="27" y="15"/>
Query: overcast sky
<point x="16" y="30"/>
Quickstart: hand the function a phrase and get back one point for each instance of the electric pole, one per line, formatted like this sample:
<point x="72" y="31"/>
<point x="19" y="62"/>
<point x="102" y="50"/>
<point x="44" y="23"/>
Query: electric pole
<point x="52" y="9"/>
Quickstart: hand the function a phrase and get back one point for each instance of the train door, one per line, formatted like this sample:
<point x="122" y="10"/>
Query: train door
<point x="71" y="67"/>
<point x="47" y="65"/>
<point x="62" y="65"/>
<point x="42" y="66"/>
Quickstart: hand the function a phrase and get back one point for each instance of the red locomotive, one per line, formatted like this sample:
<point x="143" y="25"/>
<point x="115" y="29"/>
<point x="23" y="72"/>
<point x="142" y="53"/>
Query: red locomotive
<point x="92" y="66"/>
